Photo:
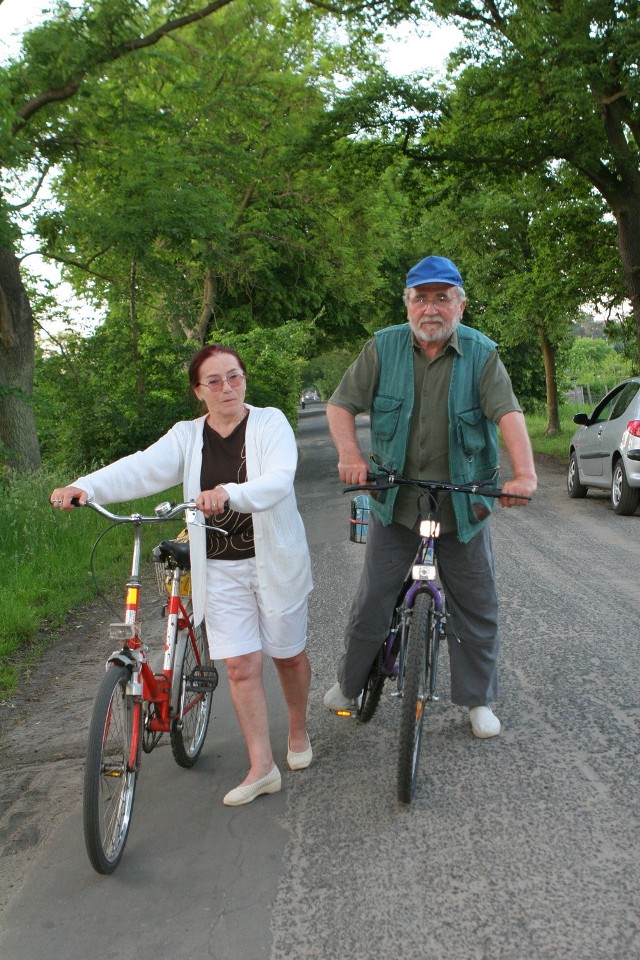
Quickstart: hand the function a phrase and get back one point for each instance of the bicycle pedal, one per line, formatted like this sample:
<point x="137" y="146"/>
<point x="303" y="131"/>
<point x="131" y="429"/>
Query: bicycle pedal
<point x="202" y="679"/>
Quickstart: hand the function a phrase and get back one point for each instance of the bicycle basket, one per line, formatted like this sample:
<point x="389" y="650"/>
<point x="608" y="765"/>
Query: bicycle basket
<point x="359" y="520"/>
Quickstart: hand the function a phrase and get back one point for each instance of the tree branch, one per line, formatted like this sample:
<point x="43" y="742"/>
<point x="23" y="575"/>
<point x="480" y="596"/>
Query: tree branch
<point x="21" y="206"/>
<point x="72" y="84"/>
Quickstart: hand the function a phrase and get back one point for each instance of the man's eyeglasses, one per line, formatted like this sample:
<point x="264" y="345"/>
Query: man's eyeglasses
<point x="439" y="300"/>
<point x="215" y="383"/>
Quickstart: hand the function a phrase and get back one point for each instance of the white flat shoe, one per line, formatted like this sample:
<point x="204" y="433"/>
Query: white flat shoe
<point x="271" y="783"/>
<point x="301" y="760"/>
<point x="484" y="722"/>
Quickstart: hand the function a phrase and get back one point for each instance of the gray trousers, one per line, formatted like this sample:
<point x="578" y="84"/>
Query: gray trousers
<point x="467" y="575"/>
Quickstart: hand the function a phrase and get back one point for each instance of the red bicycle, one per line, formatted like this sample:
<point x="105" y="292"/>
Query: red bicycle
<point x="134" y="706"/>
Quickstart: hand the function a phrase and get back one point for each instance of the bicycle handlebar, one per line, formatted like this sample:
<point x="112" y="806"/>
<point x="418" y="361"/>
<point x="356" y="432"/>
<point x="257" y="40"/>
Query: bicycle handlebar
<point x="164" y="511"/>
<point x="393" y="479"/>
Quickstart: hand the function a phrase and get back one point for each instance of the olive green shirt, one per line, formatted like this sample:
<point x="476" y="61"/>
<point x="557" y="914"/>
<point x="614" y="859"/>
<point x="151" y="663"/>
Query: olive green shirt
<point x="428" y="446"/>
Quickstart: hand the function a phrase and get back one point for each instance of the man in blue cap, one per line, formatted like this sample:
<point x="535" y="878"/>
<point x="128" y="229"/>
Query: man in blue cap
<point x="437" y="393"/>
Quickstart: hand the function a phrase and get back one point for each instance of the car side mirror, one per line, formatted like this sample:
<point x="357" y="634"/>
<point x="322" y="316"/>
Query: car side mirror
<point x="581" y="418"/>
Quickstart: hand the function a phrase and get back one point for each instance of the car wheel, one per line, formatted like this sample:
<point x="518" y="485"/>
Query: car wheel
<point x="624" y="499"/>
<point x="574" y="488"/>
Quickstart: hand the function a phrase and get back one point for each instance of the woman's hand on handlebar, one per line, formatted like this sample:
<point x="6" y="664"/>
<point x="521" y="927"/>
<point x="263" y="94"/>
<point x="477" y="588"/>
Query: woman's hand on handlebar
<point x="61" y="498"/>
<point x="213" y="502"/>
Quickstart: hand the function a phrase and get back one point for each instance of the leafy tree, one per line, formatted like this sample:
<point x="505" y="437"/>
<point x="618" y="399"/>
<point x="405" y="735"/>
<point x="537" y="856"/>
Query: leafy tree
<point x="63" y="62"/>
<point x="533" y="245"/>
<point x="552" y="80"/>
<point x="224" y="201"/>
<point x="595" y="363"/>
<point x="86" y="403"/>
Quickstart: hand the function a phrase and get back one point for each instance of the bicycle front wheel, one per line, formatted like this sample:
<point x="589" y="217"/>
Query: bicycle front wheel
<point x="414" y="695"/>
<point x="194" y="680"/>
<point x="111" y="770"/>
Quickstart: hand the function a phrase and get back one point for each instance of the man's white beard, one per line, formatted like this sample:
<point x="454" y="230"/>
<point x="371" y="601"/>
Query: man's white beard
<point x="438" y="336"/>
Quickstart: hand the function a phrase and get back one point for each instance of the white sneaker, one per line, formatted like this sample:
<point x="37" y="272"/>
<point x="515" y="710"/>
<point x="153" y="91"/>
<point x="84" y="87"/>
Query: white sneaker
<point x="484" y="722"/>
<point x="336" y="700"/>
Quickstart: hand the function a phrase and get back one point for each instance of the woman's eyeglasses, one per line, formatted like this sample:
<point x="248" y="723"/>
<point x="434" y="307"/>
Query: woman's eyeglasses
<point x="215" y="383"/>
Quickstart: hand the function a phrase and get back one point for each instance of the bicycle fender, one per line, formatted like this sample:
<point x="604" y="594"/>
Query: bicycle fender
<point x="123" y="658"/>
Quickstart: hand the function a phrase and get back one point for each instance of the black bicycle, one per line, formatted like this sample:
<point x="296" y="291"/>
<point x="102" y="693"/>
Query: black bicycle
<point x="409" y="654"/>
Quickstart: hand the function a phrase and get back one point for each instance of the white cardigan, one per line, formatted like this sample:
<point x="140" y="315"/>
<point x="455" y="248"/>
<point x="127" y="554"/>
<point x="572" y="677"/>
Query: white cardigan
<point x="282" y="554"/>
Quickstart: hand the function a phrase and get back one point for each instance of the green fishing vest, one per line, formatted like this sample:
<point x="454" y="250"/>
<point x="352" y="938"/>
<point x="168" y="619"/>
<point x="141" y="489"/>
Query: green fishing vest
<point x="473" y="440"/>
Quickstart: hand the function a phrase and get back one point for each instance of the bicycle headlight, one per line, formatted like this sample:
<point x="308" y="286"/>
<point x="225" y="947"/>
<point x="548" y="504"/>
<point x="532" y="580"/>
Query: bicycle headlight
<point x="423" y="571"/>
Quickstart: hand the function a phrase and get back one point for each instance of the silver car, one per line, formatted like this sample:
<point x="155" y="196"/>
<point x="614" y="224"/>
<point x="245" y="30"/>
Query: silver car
<point x="605" y="449"/>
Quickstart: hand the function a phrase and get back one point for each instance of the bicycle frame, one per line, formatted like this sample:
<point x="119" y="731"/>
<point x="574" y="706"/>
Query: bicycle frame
<point x="145" y="685"/>
<point x="421" y="577"/>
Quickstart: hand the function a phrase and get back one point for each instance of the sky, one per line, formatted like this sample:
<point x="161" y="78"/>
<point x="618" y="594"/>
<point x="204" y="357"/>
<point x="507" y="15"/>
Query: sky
<point x="406" y="52"/>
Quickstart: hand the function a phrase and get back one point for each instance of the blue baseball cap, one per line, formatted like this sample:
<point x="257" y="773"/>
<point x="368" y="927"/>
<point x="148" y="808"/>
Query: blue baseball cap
<point x="434" y="270"/>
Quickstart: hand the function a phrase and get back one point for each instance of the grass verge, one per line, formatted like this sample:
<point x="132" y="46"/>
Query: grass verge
<point x="47" y="572"/>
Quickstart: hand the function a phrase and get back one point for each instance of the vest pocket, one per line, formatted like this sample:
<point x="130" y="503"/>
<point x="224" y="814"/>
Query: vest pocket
<point x="385" y="414"/>
<point x="472" y="431"/>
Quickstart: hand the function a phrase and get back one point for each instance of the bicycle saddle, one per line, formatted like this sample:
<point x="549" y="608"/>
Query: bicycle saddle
<point x="175" y="550"/>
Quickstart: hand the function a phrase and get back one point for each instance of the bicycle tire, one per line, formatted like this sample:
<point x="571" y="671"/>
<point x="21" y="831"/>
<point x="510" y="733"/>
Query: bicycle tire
<point x="109" y="781"/>
<point x="372" y="692"/>
<point x="414" y="697"/>
<point x="188" y="733"/>
<point x="401" y="658"/>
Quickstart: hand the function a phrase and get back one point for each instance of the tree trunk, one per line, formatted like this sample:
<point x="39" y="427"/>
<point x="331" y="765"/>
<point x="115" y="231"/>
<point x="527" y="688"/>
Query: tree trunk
<point x="628" y="221"/>
<point x="207" y="313"/>
<point x="549" y="357"/>
<point x="135" y="353"/>
<point x="19" y="445"/>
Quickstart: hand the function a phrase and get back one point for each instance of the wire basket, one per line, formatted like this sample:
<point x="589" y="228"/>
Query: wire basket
<point x="359" y="520"/>
<point x="163" y="577"/>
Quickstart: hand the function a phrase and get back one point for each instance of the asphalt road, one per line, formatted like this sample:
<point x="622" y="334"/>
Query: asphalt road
<point x="526" y="846"/>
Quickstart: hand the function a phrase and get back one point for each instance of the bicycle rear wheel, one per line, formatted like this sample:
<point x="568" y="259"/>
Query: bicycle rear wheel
<point x="194" y="680"/>
<point x="414" y="696"/>
<point x="372" y="692"/>
<point x="110" y="776"/>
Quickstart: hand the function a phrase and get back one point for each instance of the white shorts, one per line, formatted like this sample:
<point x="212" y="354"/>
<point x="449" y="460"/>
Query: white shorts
<point x="236" y="618"/>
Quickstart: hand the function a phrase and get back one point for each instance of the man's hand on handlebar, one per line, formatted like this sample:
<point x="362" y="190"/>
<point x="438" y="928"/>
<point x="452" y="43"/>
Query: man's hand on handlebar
<point x="61" y="498"/>
<point x="353" y="471"/>
<point x="516" y="489"/>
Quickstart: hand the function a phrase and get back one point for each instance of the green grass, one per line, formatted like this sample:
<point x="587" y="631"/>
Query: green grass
<point x="47" y="554"/>
<point x="47" y="565"/>
<point x="558" y="445"/>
